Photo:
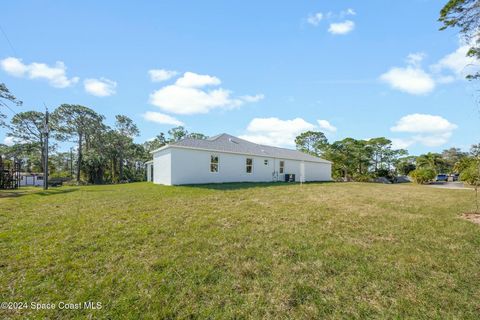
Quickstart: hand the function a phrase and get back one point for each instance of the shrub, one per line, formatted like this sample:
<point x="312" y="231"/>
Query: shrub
<point x="362" y="178"/>
<point x="59" y="174"/>
<point x="422" y="175"/>
<point x="384" y="173"/>
<point x="471" y="174"/>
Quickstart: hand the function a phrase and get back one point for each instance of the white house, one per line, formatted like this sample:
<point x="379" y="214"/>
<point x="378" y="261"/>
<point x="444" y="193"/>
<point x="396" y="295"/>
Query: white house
<point x="225" y="158"/>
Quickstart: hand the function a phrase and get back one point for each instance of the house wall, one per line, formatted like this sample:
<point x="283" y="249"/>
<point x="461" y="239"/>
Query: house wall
<point x="149" y="167"/>
<point x="188" y="166"/>
<point x="315" y="171"/>
<point x="193" y="166"/>
<point x="162" y="167"/>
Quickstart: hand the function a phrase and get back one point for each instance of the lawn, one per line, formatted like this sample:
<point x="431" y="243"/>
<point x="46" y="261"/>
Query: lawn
<point x="266" y="251"/>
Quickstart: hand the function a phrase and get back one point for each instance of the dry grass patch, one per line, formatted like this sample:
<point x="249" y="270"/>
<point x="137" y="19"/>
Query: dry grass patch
<point x="473" y="217"/>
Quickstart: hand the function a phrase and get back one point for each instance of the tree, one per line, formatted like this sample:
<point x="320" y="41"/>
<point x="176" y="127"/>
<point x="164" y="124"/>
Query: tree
<point x="77" y="122"/>
<point x="405" y="165"/>
<point x="452" y="156"/>
<point x="384" y="156"/>
<point x="28" y="127"/>
<point x="196" y="135"/>
<point x="423" y="175"/>
<point x="475" y="150"/>
<point x="464" y="14"/>
<point x="177" y="133"/>
<point x="156" y="143"/>
<point x="6" y="97"/>
<point x="351" y="158"/>
<point x="127" y="131"/>
<point x="432" y="160"/>
<point x="312" y="142"/>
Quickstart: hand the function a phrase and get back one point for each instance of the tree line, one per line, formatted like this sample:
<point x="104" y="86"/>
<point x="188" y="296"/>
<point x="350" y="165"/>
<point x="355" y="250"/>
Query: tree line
<point x="102" y="153"/>
<point x="367" y="160"/>
<point x="105" y="154"/>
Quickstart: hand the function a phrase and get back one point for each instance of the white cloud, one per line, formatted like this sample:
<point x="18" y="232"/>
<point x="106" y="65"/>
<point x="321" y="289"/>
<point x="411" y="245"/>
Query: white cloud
<point x="399" y="143"/>
<point x="100" y="87"/>
<point x="324" y="124"/>
<point x="186" y="96"/>
<point x="456" y="62"/>
<point x="429" y="130"/>
<point x="14" y="66"/>
<point x="415" y="59"/>
<point x="194" y="80"/>
<point x="161" y="118"/>
<point x="433" y="140"/>
<point x="276" y="132"/>
<point x="159" y="75"/>
<point x="421" y="123"/>
<point x="55" y="75"/>
<point x="181" y="100"/>
<point x="341" y="27"/>
<point x="9" y="141"/>
<point x="254" y="98"/>
<point x="314" y="19"/>
<point x="349" y="12"/>
<point x="413" y="80"/>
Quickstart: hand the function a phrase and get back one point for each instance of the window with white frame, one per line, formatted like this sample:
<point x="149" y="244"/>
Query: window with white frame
<point x="265" y="162"/>
<point x="213" y="163"/>
<point x="282" y="166"/>
<point x="249" y="165"/>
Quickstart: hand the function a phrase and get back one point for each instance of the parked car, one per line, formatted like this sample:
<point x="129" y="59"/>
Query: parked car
<point x="441" y="177"/>
<point x="455" y="177"/>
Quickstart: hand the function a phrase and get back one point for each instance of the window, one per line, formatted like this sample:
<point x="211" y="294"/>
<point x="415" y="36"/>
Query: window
<point x="213" y="163"/>
<point x="282" y="166"/>
<point x="249" y="165"/>
<point x="151" y="172"/>
<point x="265" y="162"/>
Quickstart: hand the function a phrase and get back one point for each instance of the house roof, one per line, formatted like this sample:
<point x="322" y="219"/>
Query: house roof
<point x="230" y="144"/>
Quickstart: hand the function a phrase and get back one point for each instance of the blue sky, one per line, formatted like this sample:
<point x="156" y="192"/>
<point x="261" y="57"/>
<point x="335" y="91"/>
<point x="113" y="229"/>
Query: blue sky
<point x="262" y="70"/>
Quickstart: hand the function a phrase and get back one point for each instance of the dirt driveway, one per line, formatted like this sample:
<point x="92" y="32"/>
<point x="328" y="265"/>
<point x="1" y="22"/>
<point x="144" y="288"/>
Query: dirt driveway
<point x="449" y="185"/>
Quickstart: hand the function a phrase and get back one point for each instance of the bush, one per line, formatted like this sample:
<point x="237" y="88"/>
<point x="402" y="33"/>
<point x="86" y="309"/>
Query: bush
<point x="60" y="174"/>
<point x="422" y="175"/>
<point x="384" y="173"/>
<point x="471" y="174"/>
<point x="362" y="178"/>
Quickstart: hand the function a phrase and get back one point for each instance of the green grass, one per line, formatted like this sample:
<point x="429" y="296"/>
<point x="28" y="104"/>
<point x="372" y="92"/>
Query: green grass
<point x="241" y="251"/>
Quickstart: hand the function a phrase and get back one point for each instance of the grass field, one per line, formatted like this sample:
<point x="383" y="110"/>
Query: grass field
<point x="241" y="251"/>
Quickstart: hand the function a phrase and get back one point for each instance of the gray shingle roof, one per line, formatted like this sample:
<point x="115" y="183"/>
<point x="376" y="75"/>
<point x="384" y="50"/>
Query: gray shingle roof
<point x="227" y="143"/>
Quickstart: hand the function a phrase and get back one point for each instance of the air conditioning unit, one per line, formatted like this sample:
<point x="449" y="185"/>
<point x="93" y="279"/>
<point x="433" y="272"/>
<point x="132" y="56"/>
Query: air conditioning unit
<point x="289" y="177"/>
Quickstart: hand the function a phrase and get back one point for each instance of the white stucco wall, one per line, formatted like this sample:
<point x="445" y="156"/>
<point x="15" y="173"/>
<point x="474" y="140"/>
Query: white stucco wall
<point x="162" y="167"/>
<point x="189" y="166"/>
<point x="193" y="166"/>
<point x="149" y="167"/>
<point x="315" y="171"/>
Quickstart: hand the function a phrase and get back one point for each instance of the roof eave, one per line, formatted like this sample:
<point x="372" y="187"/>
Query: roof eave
<point x="317" y="160"/>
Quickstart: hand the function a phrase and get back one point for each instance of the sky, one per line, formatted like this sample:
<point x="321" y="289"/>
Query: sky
<point x="260" y="70"/>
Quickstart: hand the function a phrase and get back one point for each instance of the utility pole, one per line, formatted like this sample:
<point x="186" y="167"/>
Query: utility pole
<point x="71" y="163"/>
<point x="45" y="163"/>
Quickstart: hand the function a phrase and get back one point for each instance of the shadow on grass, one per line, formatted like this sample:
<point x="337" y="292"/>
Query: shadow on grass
<point x="12" y="193"/>
<point x="54" y="191"/>
<point x="36" y="192"/>
<point x="247" y="185"/>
